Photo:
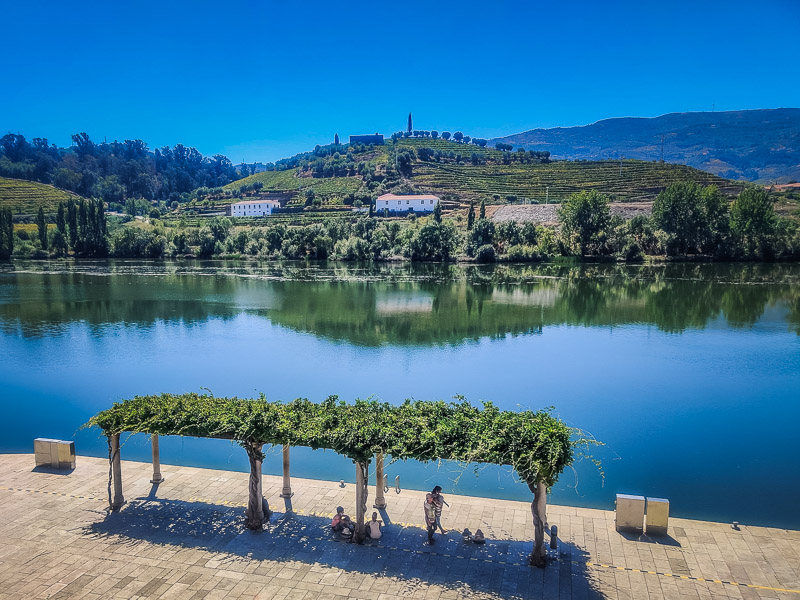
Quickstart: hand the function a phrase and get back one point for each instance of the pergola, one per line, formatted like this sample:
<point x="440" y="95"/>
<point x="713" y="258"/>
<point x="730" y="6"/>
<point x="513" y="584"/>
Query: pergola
<point x="536" y="444"/>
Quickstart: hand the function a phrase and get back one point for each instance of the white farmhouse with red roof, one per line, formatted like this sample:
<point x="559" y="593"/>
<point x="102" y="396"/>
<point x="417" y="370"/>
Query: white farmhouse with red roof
<point x="404" y="203"/>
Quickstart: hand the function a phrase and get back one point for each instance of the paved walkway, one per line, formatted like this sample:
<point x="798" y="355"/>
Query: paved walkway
<point x="186" y="539"/>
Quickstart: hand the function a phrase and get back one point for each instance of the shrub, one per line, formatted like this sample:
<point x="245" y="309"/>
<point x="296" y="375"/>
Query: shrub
<point x="485" y="254"/>
<point x="521" y="253"/>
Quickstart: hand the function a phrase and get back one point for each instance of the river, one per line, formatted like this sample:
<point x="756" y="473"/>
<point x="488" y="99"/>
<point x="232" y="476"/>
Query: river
<point x="689" y="374"/>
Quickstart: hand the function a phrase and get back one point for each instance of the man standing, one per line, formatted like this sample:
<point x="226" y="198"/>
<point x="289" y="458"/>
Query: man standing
<point x="438" y="501"/>
<point x="430" y="516"/>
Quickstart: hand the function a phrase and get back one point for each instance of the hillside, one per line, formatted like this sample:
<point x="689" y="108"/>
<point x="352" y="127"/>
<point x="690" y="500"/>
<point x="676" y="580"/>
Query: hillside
<point x="754" y="145"/>
<point x="25" y="197"/>
<point x="467" y="172"/>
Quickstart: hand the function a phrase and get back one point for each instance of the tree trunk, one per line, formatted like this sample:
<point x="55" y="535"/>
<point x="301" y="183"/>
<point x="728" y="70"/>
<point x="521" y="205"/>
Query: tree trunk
<point x="116" y="469"/>
<point x="538" y="557"/>
<point x="361" y="499"/>
<point x="255" y="501"/>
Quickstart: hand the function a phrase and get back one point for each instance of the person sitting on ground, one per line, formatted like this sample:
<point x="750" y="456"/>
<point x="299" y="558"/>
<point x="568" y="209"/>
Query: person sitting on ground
<point x="374" y="527"/>
<point x="438" y="501"/>
<point x="430" y="516"/>
<point x="342" y="522"/>
<point x="479" y="538"/>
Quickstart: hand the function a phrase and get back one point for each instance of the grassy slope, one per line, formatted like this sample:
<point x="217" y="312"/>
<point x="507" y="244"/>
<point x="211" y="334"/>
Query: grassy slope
<point x="25" y="197"/>
<point x="639" y="180"/>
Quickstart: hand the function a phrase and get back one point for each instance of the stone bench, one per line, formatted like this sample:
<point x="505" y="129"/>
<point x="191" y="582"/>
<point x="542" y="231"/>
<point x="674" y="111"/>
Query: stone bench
<point x="58" y="454"/>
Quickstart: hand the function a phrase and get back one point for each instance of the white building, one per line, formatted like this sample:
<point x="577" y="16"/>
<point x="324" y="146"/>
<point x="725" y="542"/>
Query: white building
<point x="396" y="203"/>
<point x="253" y="208"/>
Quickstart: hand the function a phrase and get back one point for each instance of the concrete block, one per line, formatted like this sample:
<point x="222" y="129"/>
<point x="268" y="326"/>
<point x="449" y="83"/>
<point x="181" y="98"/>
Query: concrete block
<point x="657" y="516"/>
<point x="42" y="451"/>
<point x="58" y="454"/>
<point x="630" y="512"/>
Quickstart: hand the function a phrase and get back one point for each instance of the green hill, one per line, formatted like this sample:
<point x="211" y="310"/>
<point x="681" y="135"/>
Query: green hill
<point x="466" y="172"/>
<point x="25" y="197"/>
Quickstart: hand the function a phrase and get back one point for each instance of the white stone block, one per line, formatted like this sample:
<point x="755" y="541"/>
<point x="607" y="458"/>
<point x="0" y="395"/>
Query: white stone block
<point x="657" y="516"/>
<point x="630" y="512"/>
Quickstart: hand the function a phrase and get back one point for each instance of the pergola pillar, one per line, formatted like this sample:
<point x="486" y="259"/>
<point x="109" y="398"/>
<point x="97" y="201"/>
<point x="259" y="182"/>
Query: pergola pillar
<point x="157" y="477"/>
<point x="380" y="499"/>
<point x="116" y="474"/>
<point x="286" y="492"/>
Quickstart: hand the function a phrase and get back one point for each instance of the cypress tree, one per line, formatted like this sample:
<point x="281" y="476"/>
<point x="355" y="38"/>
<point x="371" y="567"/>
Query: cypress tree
<point x="83" y="226"/>
<point x="6" y="233"/>
<point x="61" y="221"/>
<point x="409" y="122"/>
<point x="471" y="215"/>
<point x="42" y="225"/>
<point x="336" y="139"/>
<point x="102" y="231"/>
<point x="437" y="212"/>
<point x="72" y="222"/>
<point x="483" y="209"/>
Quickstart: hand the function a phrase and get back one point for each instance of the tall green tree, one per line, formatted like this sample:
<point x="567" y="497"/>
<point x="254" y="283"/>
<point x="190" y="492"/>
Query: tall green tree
<point x="6" y="233"/>
<point x="678" y="211"/>
<point x="585" y="217"/>
<point x="61" y="221"/>
<point x="482" y="214"/>
<point x="41" y="224"/>
<point x="753" y="222"/>
<point x="471" y="215"/>
<point x="437" y="212"/>
<point x="83" y="226"/>
<point x="72" y="223"/>
<point x="410" y="128"/>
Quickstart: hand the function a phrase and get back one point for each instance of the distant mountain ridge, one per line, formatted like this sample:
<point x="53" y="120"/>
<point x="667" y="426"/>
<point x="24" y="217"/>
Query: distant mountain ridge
<point x="755" y="145"/>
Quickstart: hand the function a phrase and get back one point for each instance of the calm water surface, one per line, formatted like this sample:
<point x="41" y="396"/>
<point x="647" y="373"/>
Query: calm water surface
<point x="690" y="374"/>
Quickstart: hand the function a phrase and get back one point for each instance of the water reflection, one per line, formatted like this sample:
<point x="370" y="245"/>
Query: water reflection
<point x="397" y="304"/>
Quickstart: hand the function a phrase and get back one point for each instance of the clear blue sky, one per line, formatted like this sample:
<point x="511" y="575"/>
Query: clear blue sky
<point x="263" y="80"/>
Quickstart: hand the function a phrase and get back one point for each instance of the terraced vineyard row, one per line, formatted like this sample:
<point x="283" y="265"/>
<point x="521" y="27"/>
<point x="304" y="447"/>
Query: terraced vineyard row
<point x="285" y="181"/>
<point x="636" y="181"/>
<point x="25" y="197"/>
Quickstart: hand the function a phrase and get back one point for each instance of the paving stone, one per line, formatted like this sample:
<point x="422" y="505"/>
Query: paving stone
<point x="186" y="539"/>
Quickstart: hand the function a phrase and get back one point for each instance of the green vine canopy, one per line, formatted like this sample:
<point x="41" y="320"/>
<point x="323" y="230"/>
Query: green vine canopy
<point x="538" y="445"/>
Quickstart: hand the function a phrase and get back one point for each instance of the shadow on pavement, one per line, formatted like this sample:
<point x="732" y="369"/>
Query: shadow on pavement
<point x="498" y="568"/>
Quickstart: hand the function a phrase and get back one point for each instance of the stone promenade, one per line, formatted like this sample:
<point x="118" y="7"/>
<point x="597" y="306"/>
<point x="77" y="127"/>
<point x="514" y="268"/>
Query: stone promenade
<point x="186" y="539"/>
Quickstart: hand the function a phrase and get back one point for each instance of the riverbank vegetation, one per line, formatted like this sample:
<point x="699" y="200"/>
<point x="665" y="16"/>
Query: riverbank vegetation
<point x="688" y="221"/>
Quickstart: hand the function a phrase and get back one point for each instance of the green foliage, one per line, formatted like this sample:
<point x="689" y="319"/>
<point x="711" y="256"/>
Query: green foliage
<point x="6" y="234"/>
<point x="485" y="254"/>
<point x="471" y="215"/>
<point x="131" y="242"/>
<point x="41" y="225"/>
<point x="585" y="217"/>
<point x="433" y="241"/>
<point x="753" y="222"/>
<point x="481" y="234"/>
<point x="537" y="444"/>
<point x="678" y="211"/>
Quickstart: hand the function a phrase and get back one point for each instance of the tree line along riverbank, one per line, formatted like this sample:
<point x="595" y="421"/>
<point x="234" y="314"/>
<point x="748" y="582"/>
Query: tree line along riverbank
<point x="687" y="220"/>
